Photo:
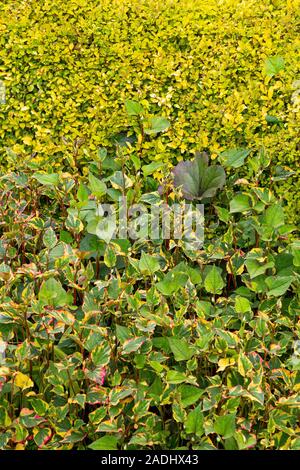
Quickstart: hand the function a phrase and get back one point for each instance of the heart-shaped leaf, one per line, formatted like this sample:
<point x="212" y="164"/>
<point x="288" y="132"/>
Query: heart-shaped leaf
<point x="213" y="282"/>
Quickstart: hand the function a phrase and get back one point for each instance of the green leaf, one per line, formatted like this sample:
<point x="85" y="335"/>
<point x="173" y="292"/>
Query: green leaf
<point x="181" y="349"/>
<point x="118" y="394"/>
<point x="148" y="264"/>
<point x="152" y="167"/>
<point x="223" y="214"/>
<point x="244" y="440"/>
<point x="50" y="179"/>
<point x="107" y="442"/>
<point x="240" y="203"/>
<point x="272" y="119"/>
<point x="52" y="293"/>
<point x="273" y="65"/>
<point x="95" y="417"/>
<point x="101" y="154"/>
<point x="29" y="418"/>
<point x="132" y="345"/>
<point x="178" y="413"/>
<point x="234" y="158"/>
<point x="242" y="305"/>
<point x="175" y="377"/>
<point x="295" y="247"/>
<point x="82" y="193"/>
<point x="123" y="333"/>
<point x="194" y="422"/>
<point x="110" y="257"/>
<point x="212" y="179"/>
<point x="4" y="418"/>
<point x="42" y="436"/>
<point x="150" y="198"/>
<point x="195" y="276"/>
<point x="156" y="124"/>
<point x="49" y="238"/>
<point x="264" y="194"/>
<point x="4" y="438"/>
<point x="244" y="364"/>
<point x="73" y="436"/>
<point x="120" y="181"/>
<point x="255" y="393"/>
<point x="189" y="394"/>
<point x="278" y="285"/>
<point x="213" y="282"/>
<point x="293" y="401"/>
<point x="101" y="354"/>
<point x="39" y="406"/>
<point x="274" y="216"/>
<point x="136" y="161"/>
<point x="230" y="338"/>
<point x="63" y="317"/>
<point x="225" y="425"/>
<point x="133" y="108"/>
<point x="257" y="265"/>
<point x="171" y="283"/>
<point x="97" y="187"/>
<point x="79" y="399"/>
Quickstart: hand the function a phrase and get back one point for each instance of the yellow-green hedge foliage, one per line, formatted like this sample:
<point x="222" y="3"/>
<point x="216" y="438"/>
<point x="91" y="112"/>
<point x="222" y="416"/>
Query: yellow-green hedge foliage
<point x="69" y="65"/>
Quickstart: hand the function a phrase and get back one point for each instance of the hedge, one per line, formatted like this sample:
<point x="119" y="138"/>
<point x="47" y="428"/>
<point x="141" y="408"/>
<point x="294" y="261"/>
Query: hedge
<point x="208" y="66"/>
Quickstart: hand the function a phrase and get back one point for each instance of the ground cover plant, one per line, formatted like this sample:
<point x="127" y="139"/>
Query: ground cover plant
<point x="121" y="340"/>
<point x="145" y="344"/>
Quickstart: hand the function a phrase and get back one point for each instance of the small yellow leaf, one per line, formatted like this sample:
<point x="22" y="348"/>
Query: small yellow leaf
<point x="23" y="381"/>
<point x="27" y="140"/>
<point x="20" y="446"/>
<point x="225" y="362"/>
<point x="296" y="388"/>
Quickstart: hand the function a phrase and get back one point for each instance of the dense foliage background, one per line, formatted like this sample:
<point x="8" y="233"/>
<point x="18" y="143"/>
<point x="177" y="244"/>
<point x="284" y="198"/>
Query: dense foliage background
<point x="69" y="66"/>
<point x="146" y="344"/>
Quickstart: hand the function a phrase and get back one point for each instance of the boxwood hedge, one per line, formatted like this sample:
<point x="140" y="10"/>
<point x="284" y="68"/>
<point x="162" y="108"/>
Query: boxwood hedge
<point x="224" y="73"/>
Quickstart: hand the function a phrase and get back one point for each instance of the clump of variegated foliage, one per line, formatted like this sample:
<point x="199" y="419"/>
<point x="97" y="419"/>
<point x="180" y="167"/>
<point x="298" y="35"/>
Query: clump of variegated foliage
<point x="142" y="344"/>
<point x="225" y="73"/>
